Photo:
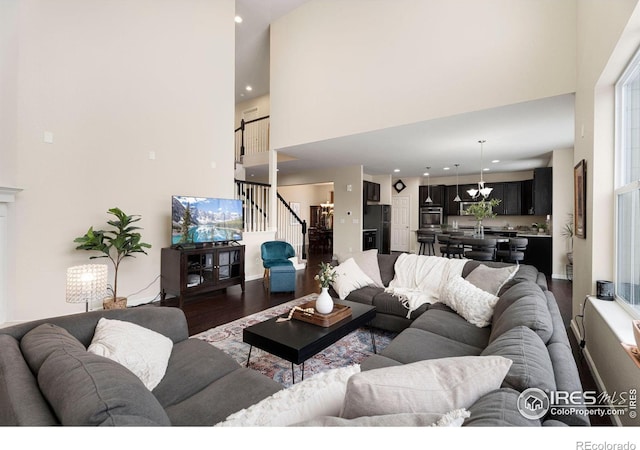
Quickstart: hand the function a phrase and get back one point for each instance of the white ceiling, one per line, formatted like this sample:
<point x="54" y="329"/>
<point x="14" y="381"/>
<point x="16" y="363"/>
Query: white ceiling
<point x="521" y="136"/>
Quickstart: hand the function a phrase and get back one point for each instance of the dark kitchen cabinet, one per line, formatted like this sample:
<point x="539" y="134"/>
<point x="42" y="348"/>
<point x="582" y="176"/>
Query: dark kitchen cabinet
<point x="527" y="198"/>
<point x="512" y="198"/>
<point x="451" y="207"/>
<point x="437" y="195"/>
<point x="498" y="193"/>
<point x="543" y="191"/>
<point x="539" y="253"/>
<point x="371" y="191"/>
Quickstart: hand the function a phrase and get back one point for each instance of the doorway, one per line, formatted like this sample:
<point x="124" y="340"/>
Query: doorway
<point x="400" y="221"/>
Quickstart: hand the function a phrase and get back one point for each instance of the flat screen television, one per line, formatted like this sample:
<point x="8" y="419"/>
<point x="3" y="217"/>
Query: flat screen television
<point x="202" y="220"/>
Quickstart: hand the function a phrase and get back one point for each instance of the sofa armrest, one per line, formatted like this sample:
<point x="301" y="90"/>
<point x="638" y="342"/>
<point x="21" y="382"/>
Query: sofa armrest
<point x="170" y="322"/>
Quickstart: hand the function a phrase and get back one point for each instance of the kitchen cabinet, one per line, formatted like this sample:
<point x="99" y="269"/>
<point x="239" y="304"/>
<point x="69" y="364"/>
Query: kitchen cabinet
<point x="543" y="191"/>
<point x="437" y="195"/>
<point x="512" y="198"/>
<point x="538" y="253"/>
<point x="451" y="207"/>
<point x="498" y="193"/>
<point x="527" y="198"/>
<point x="371" y="191"/>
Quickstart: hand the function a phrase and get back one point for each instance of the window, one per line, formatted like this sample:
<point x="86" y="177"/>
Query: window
<point x="627" y="189"/>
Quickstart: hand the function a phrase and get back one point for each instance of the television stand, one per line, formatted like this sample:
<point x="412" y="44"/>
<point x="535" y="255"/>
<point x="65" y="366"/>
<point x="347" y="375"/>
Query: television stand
<point x="187" y="272"/>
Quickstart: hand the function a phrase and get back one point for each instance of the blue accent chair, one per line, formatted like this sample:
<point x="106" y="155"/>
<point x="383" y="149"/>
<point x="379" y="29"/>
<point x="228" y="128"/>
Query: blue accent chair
<point x="275" y="253"/>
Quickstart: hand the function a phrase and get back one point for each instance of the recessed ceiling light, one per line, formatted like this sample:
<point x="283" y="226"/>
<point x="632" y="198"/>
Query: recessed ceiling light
<point x="396" y="170"/>
<point x="495" y="161"/>
<point x="486" y="169"/>
<point x="248" y="88"/>
<point x="426" y="174"/>
<point x="446" y="168"/>
<point x="238" y="19"/>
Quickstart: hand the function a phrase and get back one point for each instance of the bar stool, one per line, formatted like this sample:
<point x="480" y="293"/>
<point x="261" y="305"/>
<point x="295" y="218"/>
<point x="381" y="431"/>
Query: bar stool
<point x="452" y="247"/>
<point x="514" y="253"/>
<point x="427" y="242"/>
<point x="481" y="249"/>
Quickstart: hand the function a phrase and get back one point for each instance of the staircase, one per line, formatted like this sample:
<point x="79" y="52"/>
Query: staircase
<point x="256" y="203"/>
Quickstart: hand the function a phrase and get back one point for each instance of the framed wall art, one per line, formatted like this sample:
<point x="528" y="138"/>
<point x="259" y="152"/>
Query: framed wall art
<point x="580" y="199"/>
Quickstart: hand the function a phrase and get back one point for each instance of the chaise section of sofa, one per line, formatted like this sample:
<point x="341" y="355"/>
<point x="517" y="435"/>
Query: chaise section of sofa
<point x="526" y="328"/>
<point x="47" y="377"/>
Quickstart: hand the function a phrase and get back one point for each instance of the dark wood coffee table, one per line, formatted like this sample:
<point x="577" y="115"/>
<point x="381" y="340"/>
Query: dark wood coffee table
<point x="296" y="340"/>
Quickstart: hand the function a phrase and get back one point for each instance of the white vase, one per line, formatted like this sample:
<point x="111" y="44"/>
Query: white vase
<point x="324" y="302"/>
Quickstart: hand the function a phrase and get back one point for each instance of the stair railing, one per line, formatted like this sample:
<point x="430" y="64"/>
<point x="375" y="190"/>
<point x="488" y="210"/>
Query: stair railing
<point x="255" y="200"/>
<point x="291" y="228"/>
<point x="252" y="137"/>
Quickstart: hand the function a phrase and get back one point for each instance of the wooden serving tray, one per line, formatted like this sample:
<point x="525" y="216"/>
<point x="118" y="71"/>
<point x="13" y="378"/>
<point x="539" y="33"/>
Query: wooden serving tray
<point x="324" y="320"/>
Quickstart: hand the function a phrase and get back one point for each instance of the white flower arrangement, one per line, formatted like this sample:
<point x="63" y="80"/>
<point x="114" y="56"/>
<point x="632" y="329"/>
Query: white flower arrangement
<point x="327" y="275"/>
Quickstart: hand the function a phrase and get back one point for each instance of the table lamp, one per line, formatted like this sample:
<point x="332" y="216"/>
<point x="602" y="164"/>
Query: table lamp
<point x="86" y="283"/>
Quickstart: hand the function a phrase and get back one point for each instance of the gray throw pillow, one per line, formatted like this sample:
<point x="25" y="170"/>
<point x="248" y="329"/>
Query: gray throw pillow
<point x="87" y="389"/>
<point x="532" y="367"/>
<point x="491" y="279"/>
<point x="43" y="340"/>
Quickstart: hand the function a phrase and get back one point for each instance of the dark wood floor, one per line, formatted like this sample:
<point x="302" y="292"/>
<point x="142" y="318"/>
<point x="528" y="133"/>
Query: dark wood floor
<point x="228" y="305"/>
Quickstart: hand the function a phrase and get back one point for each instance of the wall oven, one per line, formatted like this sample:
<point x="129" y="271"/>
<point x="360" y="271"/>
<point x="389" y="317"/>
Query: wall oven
<point x="430" y="217"/>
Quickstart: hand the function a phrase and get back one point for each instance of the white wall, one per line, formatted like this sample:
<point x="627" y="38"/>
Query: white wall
<point x="607" y="37"/>
<point x="113" y="81"/>
<point x="336" y="71"/>
<point x="562" y="207"/>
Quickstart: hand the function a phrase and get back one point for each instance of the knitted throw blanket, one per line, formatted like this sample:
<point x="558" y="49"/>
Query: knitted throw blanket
<point x="419" y="279"/>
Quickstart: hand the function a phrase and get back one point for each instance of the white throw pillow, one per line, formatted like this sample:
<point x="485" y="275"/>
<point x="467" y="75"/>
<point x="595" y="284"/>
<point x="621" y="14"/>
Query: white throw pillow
<point x="469" y="301"/>
<point x="350" y="277"/>
<point x="320" y="395"/>
<point x="431" y="386"/>
<point x="141" y="350"/>
<point x="368" y="262"/>
<point x="491" y="279"/>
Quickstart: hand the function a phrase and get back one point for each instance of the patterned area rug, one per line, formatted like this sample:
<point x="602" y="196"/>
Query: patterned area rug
<point x="351" y="349"/>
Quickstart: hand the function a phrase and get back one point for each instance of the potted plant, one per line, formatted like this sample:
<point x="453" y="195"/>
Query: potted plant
<point x="483" y="210"/>
<point x="567" y="232"/>
<point x="116" y="244"/>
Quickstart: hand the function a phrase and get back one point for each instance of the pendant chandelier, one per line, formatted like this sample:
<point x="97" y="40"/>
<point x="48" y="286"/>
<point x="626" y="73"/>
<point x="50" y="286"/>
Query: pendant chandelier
<point x="428" y="200"/>
<point x="457" y="199"/>
<point x="482" y="190"/>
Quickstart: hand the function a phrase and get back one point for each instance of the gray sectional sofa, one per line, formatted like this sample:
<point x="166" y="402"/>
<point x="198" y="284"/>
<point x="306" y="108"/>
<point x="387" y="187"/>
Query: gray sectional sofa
<point x="526" y="327"/>
<point x="48" y="378"/>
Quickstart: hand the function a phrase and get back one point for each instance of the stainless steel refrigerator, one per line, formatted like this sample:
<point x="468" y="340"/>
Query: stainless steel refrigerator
<point x="379" y="217"/>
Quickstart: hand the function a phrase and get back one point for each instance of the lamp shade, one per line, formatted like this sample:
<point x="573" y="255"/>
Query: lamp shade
<point x="86" y="283"/>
